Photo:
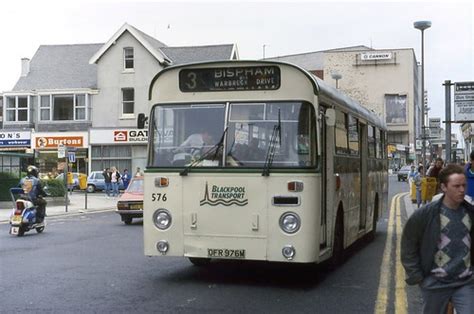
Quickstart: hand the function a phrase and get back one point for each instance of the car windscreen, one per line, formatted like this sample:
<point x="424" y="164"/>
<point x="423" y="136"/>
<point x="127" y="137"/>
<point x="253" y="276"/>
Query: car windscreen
<point x="136" y="186"/>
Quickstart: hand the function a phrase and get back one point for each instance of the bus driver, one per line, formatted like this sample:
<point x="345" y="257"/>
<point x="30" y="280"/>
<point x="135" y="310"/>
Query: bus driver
<point x="196" y="142"/>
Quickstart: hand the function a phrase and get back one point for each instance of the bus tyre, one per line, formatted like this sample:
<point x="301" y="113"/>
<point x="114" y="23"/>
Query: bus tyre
<point x="21" y="231"/>
<point x="371" y="234"/>
<point x="338" y="247"/>
<point x="127" y="220"/>
<point x="198" y="261"/>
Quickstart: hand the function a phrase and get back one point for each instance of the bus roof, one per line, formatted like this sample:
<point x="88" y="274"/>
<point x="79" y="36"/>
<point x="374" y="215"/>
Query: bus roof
<point x="320" y="88"/>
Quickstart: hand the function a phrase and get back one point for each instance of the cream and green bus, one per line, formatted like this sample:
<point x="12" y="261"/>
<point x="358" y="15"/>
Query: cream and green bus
<point x="257" y="160"/>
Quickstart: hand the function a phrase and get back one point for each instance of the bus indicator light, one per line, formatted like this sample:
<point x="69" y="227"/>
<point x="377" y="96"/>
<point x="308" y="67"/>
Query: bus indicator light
<point x="161" y="182"/>
<point x="295" y="186"/>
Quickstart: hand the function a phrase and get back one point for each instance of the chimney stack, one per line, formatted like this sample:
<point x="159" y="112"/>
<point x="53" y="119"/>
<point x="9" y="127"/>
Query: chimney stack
<point x="25" y="66"/>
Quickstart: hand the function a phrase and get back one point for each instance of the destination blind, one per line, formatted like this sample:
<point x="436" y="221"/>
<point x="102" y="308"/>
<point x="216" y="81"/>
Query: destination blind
<point x="229" y="79"/>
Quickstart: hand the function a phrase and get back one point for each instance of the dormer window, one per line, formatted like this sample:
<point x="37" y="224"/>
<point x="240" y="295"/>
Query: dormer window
<point x="128" y="63"/>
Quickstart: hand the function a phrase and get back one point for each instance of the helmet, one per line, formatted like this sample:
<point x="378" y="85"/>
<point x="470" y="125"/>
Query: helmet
<point x="32" y="171"/>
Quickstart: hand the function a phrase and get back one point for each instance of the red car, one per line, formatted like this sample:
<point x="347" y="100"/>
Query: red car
<point x="130" y="203"/>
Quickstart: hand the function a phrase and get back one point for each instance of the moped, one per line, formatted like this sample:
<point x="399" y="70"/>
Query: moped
<point x="23" y="217"/>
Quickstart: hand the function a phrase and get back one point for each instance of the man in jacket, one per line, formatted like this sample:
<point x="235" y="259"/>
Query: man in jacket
<point x="436" y="249"/>
<point x="33" y="188"/>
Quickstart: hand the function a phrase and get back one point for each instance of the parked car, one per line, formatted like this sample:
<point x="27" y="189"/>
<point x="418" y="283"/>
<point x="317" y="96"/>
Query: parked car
<point x="96" y="182"/>
<point x="130" y="203"/>
<point x="403" y="173"/>
<point x="75" y="176"/>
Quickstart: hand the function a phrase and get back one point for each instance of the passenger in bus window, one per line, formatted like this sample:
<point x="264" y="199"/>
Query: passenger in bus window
<point x="255" y="153"/>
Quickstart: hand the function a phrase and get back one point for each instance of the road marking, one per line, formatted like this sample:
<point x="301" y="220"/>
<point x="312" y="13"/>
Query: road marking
<point x="401" y="305"/>
<point x="70" y="214"/>
<point x="385" y="269"/>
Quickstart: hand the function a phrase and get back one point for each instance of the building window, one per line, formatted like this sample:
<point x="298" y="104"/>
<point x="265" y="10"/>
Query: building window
<point x="396" y="109"/>
<point x="16" y="109"/>
<point x="128" y="101"/>
<point x="128" y="58"/>
<point x="80" y="107"/>
<point x="63" y="107"/>
<point x="119" y="156"/>
<point x="45" y="108"/>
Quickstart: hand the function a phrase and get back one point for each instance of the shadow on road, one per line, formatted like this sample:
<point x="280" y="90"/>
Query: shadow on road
<point x="260" y="273"/>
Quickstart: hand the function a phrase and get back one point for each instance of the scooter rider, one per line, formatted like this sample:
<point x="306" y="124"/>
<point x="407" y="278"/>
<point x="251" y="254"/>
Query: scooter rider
<point x="32" y="187"/>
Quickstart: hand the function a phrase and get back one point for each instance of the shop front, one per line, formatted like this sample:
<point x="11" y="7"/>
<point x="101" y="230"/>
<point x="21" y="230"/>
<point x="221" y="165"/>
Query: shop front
<point x="15" y="151"/>
<point x="46" y="151"/>
<point x="121" y="148"/>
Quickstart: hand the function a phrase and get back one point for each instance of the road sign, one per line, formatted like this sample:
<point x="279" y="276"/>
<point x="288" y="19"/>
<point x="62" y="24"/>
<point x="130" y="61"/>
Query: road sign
<point x="61" y="151"/>
<point x="71" y="156"/>
<point x="464" y="101"/>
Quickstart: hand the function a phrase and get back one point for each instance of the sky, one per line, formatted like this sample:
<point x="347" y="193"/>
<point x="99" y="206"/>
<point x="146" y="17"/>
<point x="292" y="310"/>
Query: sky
<point x="278" y="27"/>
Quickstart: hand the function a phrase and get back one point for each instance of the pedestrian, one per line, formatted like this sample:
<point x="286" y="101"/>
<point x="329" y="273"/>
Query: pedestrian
<point x="114" y="179"/>
<point x="436" y="249"/>
<point x="107" y="181"/>
<point x="417" y="182"/>
<point x="125" y="178"/>
<point x="433" y="172"/>
<point x="469" y="172"/>
<point x="411" y="175"/>
<point x="138" y="173"/>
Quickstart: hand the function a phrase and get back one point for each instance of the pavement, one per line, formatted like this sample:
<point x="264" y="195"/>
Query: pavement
<point x="95" y="202"/>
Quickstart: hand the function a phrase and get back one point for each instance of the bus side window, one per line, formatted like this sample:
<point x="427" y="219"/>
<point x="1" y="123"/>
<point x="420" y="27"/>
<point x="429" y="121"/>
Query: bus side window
<point x="341" y="132"/>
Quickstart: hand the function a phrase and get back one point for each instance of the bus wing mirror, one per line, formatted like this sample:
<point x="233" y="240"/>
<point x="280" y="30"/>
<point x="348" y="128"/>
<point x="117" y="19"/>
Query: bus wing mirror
<point x="330" y="116"/>
<point x="141" y="120"/>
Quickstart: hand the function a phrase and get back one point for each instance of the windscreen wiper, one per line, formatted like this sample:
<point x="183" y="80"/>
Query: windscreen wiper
<point x="271" y="147"/>
<point x="213" y="150"/>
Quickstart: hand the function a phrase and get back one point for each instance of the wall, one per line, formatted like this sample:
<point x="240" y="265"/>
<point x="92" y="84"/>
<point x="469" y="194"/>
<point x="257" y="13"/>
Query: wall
<point x="107" y="105"/>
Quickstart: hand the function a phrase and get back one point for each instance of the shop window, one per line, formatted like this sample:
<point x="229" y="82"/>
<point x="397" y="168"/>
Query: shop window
<point x="111" y="156"/>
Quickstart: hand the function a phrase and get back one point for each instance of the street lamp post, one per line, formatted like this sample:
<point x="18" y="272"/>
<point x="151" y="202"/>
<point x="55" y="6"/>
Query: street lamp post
<point x="337" y="77"/>
<point x="422" y="25"/>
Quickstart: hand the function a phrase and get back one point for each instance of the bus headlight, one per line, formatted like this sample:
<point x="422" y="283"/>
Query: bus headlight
<point x="162" y="219"/>
<point x="162" y="246"/>
<point x="290" y="222"/>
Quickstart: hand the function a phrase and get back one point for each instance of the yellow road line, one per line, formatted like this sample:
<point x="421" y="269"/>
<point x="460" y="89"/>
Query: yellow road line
<point x="401" y="305"/>
<point x="385" y="278"/>
<point x="394" y="222"/>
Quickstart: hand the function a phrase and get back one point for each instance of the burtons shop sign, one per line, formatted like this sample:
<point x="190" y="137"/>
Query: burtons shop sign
<point x="54" y="141"/>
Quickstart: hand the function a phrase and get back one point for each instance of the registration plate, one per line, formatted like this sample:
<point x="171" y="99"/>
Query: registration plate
<point x="226" y="253"/>
<point x="14" y="230"/>
<point x="138" y="206"/>
<point x="16" y="218"/>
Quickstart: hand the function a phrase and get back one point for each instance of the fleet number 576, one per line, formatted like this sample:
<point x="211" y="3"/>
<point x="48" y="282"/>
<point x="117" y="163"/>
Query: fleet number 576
<point x="156" y="197"/>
